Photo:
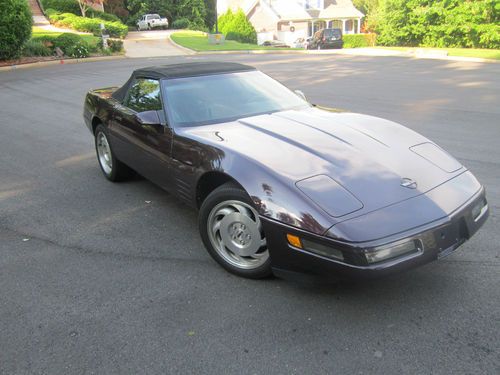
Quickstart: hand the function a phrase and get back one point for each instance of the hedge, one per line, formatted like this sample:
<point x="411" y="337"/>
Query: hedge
<point x="359" y="40"/>
<point x="35" y="48"/>
<point x="15" y="27"/>
<point x="61" y="6"/>
<point x="92" y="25"/>
<point x="180" y="23"/>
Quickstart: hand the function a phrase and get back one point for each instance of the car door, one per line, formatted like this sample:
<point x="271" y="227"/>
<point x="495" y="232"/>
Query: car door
<point x="142" y="133"/>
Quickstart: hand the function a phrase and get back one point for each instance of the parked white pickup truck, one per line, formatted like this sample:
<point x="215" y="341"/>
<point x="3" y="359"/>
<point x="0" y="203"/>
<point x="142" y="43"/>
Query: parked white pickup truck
<point x="151" y="21"/>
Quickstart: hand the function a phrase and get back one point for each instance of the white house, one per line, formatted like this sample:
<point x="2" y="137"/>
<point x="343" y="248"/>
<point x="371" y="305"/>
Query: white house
<point x="288" y="20"/>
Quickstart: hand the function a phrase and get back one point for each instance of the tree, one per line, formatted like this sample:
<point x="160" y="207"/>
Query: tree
<point x="439" y="23"/>
<point x="194" y="11"/>
<point x="85" y="4"/>
<point x="16" y="21"/>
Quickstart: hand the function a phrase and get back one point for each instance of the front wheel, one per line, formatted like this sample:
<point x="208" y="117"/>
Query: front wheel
<point x="232" y="232"/>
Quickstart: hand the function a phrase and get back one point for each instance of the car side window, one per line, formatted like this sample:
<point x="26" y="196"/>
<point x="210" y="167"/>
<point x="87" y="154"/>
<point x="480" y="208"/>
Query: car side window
<point x="144" y="95"/>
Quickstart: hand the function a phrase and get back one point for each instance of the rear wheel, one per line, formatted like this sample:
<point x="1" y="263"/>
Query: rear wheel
<point x="232" y="232"/>
<point x="113" y="169"/>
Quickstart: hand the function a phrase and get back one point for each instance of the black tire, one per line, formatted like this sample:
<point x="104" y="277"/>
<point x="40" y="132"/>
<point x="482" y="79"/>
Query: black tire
<point x="117" y="171"/>
<point x="231" y="192"/>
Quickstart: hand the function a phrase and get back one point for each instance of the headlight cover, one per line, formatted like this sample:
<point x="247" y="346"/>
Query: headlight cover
<point x="386" y="252"/>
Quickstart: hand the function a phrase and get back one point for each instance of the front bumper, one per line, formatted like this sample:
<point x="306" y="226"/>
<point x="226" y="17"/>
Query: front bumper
<point x="439" y="238"/>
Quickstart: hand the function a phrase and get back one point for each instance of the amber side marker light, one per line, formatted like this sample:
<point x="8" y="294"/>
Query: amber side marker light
<point x="294" y="240"/>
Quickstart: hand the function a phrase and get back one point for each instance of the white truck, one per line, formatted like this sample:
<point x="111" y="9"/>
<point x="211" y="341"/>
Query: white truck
<point x="151" y="21"/>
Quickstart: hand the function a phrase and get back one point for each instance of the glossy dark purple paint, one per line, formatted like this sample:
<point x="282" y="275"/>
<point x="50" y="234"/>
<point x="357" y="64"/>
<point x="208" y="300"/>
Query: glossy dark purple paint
<point x="276" y="158"/>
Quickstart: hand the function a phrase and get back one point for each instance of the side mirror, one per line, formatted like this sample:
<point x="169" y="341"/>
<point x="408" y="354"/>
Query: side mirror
<point x="301" y="94"/>
<point x="148" y="118"/>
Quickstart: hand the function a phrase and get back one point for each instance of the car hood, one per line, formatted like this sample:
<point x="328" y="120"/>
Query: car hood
<point x="377" y="162"/>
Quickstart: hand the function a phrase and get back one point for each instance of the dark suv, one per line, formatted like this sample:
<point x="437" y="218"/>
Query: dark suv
<point x="327" y="38"/>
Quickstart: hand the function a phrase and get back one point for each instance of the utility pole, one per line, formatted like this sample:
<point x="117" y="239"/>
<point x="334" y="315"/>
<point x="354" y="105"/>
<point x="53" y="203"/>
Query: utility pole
<point x="216" y="19"/>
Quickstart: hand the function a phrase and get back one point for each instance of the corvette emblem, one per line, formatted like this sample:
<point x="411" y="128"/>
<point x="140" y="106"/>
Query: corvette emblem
<point x="408" y="183"/>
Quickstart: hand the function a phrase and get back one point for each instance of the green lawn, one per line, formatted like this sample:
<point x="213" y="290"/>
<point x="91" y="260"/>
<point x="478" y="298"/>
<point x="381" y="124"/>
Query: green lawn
<point x="466" y="52"/>
<point x="39" y="32"/>
<point x="198" y="41"/>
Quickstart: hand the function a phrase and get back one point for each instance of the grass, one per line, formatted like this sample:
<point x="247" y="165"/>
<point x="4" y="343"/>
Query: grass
<point x="39" y="32"/>
<point x="198" y="41"/>
<point x="466" y="52"/>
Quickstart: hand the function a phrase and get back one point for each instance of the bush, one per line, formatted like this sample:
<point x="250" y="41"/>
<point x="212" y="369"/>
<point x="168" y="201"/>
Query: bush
<point x="237" y="27"/>
<point x="439" y="23"/>
<point x="93" y="25"/>
<point x="67" y="40"/>
<point x="72" y="45"/>
<point x="50" y="12"/>
<point x="181" y="23"/>
<point x="35" y="48"/>
<point x="102" y="15"/>
<point x="358" y="40"/>
<point x="115" y="45"/>
<point x="15" y="27"/>
<point x="61" y="6"/>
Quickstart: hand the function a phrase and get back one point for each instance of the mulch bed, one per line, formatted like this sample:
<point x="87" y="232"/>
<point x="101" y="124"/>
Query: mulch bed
<point x="27" y="60"/>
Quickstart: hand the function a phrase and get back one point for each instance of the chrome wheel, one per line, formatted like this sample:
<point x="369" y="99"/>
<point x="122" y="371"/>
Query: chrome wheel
<point x="104" y="153"/>
<point x="235" y="232"/>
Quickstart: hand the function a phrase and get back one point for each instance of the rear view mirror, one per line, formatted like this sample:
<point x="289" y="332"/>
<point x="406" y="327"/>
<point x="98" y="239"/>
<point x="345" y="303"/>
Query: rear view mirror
<point x="301" y="94"/>
<point x="148" y="118"/>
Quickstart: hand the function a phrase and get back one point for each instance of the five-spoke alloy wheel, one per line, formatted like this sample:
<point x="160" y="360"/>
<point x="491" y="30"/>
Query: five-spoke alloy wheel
<point x="232" y="232"/>
<point x="111" y="167"/>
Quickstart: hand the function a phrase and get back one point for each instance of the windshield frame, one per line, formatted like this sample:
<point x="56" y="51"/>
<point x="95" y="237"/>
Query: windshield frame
<point x="174" y="124"/>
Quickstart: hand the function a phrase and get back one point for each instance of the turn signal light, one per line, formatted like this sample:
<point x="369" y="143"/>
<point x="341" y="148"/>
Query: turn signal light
<point x="294" y="240"/>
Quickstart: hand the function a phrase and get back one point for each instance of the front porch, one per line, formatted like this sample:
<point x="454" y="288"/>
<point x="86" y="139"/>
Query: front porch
<point x="347" y="25"/>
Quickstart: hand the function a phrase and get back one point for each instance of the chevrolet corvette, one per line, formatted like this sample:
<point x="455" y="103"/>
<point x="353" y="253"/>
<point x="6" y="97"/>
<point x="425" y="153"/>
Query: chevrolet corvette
<point x="281" y="185"/>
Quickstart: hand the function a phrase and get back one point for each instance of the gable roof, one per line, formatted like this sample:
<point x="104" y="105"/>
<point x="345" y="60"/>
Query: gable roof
<point x="282" y="9"/>
<point x="289" y="10"/>
<point x="340" y="9"/>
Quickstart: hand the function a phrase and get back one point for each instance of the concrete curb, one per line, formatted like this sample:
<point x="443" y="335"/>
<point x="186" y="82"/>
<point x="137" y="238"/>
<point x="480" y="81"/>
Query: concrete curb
<point x="185" y="49"/>
<point x="40" y="64"/>
<point x="417" y="54"/>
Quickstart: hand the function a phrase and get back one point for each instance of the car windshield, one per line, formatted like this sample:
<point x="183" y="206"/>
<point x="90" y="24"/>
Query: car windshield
<point x="154" y="17"/>
<point x="332" y="32"/>
<point x="226" y="97"/>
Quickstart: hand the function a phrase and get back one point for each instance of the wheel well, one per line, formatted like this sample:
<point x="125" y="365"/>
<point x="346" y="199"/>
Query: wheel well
<point x="95" y="121"/>
<point x="208" y="183"/>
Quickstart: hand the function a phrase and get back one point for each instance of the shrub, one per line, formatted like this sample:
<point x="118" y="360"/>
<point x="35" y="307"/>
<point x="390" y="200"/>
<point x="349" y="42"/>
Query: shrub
<point x="180" y="23"/>
<point x="15" y="27"/>
<point x="61" y="6"/>
<point x="102" y="15"/>
<point x="46" y="40"/>
<point x="72" y="45"/>
<point x="50" y="12"/>
<point x="35" y="48"/>
<point x="358" y="40"/>
<point x="67" y="40"/>
<point x="115" y="45"/>
<point x="92" y="25"/>
<point x="237" y="27"/>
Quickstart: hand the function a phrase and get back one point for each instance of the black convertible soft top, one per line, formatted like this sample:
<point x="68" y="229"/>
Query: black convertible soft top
<point x="193" y="69"/>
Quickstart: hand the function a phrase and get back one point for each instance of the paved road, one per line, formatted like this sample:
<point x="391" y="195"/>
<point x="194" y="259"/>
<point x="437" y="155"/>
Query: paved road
<point x="94" y="279"/>
<point x="153" y="43"/>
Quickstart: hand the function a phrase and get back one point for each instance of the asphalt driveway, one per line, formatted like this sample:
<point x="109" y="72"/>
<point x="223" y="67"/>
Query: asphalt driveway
<point x="105" y="278"/>
<point x="152" y="43"/>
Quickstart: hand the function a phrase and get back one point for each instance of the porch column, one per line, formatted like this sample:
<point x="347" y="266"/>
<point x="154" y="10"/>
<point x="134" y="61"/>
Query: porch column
<point x="343" y="26"/>
<point x="359" y="25"/>
<point x="312" y="28"/>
